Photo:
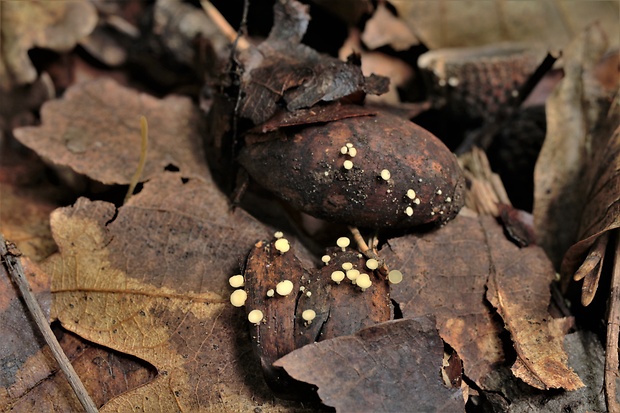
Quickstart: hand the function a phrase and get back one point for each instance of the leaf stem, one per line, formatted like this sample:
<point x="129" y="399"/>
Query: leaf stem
<point x="144" y="133"/>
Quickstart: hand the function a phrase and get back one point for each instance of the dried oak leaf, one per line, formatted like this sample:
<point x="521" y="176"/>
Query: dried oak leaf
<point x="390" y="367"/>
<point x="150" y="280"/>
<point x="445" y="273"/>
<point x="450" y="24"/>
<point x="29" y="375"/>
<point x="281" y="68"/>
<point x="518" y="287"/>
<point x="56" y="25"/>
<point x="339" y="309"/>
<point x="563" y="177"/>
<point x="95" y="130"/>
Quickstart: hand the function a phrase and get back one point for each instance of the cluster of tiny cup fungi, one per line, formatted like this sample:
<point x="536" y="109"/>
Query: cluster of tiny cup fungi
<point x="285" y="287"/>
<point x="385" y="175"/>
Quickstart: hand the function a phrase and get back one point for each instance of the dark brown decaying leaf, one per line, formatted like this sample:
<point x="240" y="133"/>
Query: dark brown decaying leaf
<point x="57" y="25"/>
<point x="586" y="356"/>
<point x="307" y="168"/>
<point x="448" y="272"/>
<point x="282" y="68"/>
<point x="23" y="363"/>
<point x="390" y="367"/>
<point x="341" y="309"/>
<point x="480" y="82"/>
<point x="445" y="274"/>
<point x="95" y="130"/>
<point x="562" y="182"/>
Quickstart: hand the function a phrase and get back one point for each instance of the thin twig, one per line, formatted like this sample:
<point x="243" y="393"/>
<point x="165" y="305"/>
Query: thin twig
<point x="367" y="251"/>
<point x="613" y="330"/>
<point x="144" y="133"/>
<point x="16" y="271"/>
<point x="222" y="24"/>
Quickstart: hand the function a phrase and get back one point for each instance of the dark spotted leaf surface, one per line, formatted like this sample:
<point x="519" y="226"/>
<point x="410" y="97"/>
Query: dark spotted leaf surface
<point x="390" y="367"/>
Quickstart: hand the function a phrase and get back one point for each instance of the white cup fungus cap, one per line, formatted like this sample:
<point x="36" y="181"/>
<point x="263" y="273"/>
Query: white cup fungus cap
<point x="284" y="287"/>
<point x="238" y="298"/>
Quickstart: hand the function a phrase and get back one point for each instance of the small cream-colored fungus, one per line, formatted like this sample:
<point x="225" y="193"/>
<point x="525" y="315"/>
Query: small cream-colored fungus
<point x="347" y="266"/>
<point x="347" y="164"/>
<point x="448" y="199"/>
<point x="282" y="245"/>
<point x="416" y="201"/>
<point x="278" y="234"/>
<point x="343" y="242"/>
<point x="308" y="316"/>
<point x="337" y="276"/>
<point x="349" y="145"/>
<point x="372" y="264"/>
<point x="363" y="281"/>
<point x="255" y="316"/>
<point x="236" y="281"/>
<point x="238" y="297"/>
<point x="353" y="274"/>
<point x="308" y="293"/>
<point x="344" y="150"/>
<point x="410" y="194"/>
<point x="395" y="276"/>
<point x="352" y="152"/>
<point x="409" y="211"/>
<point x="439" y="192"/>
<point x="270" y="292"/>
<point x="386" y="175"/>
<point x="284" y="287"/>
<point x="325" y="259"/>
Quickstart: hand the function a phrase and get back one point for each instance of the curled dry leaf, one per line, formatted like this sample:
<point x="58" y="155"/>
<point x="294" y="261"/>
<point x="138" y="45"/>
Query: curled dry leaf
<point x="95" y="130"/>
<point x="339" y="309"/>
<point x="158" y="268"/>
<point x="396" y="174"/>
<point x="600" y="215"/>
<point x="480" y="82"/>
<point x="390" y="367"/>
<point x="585" y="354"/>
<point x="518" y="287"/>
<point x="281" y="68"/>
<point x="56" y="25"/>
<point x="567" y="172"/>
